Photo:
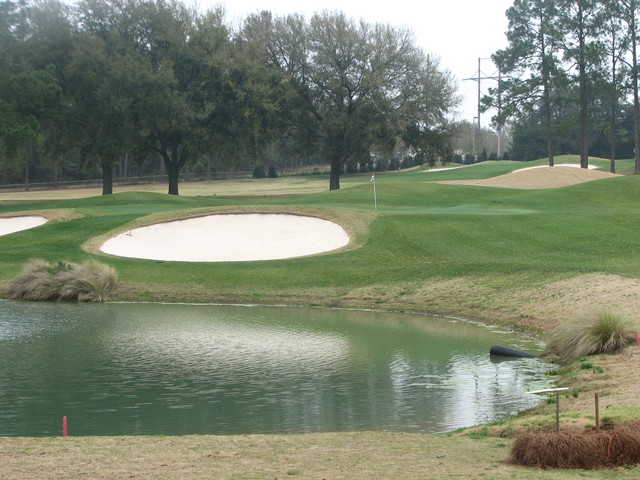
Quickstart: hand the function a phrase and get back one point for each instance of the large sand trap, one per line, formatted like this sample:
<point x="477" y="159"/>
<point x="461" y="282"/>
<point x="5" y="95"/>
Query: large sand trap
<point x="17" y="224"/>
<point x="538" y="178"/>
<point x="227" y="237"/>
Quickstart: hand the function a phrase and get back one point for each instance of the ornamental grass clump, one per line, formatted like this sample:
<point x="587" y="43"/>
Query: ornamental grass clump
<point x="35" y="282"/>
<point x="604" y="332"/>
<point x="90" y="281"/>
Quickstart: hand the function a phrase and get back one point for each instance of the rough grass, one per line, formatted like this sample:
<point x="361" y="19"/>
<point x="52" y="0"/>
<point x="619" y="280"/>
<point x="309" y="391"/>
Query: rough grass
<point x="335" y="456"/>
<point x="90" y="281"/>
<point x="603" y="332"/>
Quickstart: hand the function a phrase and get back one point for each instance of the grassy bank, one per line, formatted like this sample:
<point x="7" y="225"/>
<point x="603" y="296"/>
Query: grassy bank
<point x="346" y="456"/>
<point x="496" y="254"/>
<point x="523" y="258"/>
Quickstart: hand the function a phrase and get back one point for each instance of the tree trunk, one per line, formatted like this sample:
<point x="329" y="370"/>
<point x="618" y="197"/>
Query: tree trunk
<point x="55" y="161"/>
<point x="174" y="175"/>
<point x="613" y="139"/>
<point x="29" y="155"/>
<point x="547" y="120"/>
<point x="636" y="101"/>
<point x="107" y="178"/>
<point x="547" y="113"/>
<point x="613" y="135"/>
<point x="584" y="141"/>
<point x="172" y="166"/>
<point x="209" y="165"/>
<point x="546" y="89"/>
<point x="582" y="60"/>
<point x="334" y="178"/>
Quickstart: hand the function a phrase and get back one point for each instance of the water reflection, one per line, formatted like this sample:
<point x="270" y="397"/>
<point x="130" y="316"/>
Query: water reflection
<point x="184" y="369"/>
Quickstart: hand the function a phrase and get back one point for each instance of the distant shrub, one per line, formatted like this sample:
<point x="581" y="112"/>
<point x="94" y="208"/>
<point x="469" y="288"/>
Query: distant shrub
<point x="258" y="172"/>
<point x="407" y="162"/>
<point x="605" y="332"/>
<point x="90" y="281"/>
<point x="273" y="173"/>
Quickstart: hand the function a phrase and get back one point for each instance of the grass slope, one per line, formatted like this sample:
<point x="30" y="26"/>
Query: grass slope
<point x="422" y="236"/>
<point x="527" y="258"/>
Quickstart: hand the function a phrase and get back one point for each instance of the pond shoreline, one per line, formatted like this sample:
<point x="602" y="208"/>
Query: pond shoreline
<point x="535" y="308"/>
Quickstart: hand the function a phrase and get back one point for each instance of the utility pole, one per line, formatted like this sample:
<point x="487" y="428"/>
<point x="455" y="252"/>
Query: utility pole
<point x="478" y="78"/>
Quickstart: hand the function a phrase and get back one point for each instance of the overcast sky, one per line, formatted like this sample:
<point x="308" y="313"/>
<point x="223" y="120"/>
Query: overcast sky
<point x="458" y="31"/>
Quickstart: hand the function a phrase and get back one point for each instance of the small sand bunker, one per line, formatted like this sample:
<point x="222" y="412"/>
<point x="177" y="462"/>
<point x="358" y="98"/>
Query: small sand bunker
<point x="230" y="237"/>
<point x="17" y="224"/>
<point x="538" y="178"/>
<point x="572" y="165"/>
<point x="444" y="169"/>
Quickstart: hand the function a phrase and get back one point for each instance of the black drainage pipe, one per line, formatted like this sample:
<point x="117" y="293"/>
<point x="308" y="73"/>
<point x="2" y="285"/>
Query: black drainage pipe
<point x="509" y="352"/>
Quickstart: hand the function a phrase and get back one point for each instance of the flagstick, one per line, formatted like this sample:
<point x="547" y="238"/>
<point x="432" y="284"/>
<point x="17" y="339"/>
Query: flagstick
<point x="375" y="198"/>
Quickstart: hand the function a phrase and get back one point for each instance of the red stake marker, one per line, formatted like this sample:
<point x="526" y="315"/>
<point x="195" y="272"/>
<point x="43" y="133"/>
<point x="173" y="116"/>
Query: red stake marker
<point x="65" y="431"/>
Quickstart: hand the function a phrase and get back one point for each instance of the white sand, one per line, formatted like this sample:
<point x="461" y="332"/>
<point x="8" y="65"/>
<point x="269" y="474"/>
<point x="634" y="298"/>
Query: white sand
<point x="443" y="169"/>
<point x="225" y="238"/>
<point x="16" y="224"/>
<point x="576" y="165"/>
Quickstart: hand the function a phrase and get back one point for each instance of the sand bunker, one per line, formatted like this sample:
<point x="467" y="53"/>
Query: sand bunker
<point x="442" y="169"/>
<point x="572" y="165"/>
<point x="538" y="178"/>
<point x="16" y="224"/>
<point x="225" y="238"/>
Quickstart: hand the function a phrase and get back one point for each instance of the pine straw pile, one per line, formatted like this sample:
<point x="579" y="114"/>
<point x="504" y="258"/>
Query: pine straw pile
<point x="592" y="450"/>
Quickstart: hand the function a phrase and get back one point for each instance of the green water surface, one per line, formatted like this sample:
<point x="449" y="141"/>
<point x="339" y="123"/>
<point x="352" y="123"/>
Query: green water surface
<point x="167" y="369"/>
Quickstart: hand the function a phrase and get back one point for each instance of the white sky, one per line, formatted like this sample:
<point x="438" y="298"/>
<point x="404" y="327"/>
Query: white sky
<point x="458" y="31"/>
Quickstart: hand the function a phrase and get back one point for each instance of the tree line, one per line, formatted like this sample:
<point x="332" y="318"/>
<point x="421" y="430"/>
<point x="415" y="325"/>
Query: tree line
<point x="84" y="86"/>
<point x="569" y="79"/>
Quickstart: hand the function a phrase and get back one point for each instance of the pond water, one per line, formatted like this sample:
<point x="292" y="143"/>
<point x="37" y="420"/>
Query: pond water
<point x="133" y="369"/>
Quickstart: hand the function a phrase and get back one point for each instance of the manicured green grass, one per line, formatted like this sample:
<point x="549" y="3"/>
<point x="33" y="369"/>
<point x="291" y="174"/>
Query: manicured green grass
<point x="421" y="230"/>
<point x="422" y="235"/>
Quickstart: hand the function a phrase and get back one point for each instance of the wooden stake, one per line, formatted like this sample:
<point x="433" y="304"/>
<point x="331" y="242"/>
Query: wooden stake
<point x="557" y="412"/>
<point x="597" y="413"/>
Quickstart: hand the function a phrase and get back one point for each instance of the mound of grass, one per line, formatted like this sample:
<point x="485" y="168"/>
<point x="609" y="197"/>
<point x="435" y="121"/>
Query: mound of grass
<point x="90" y="281"/>
<point x="604" y="332"/>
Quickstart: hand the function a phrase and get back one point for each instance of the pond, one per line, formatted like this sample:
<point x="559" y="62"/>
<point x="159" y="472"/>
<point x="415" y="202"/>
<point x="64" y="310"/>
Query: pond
<point x="167" y="369"/>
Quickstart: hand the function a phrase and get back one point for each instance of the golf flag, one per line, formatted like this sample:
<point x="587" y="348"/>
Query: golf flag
<point x="375" y="199"/>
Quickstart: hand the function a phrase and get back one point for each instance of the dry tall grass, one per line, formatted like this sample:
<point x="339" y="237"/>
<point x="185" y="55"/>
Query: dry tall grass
<point x="90" y="281"/>
<point x="604" y="332"/>
<point x="588" y="450"/>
